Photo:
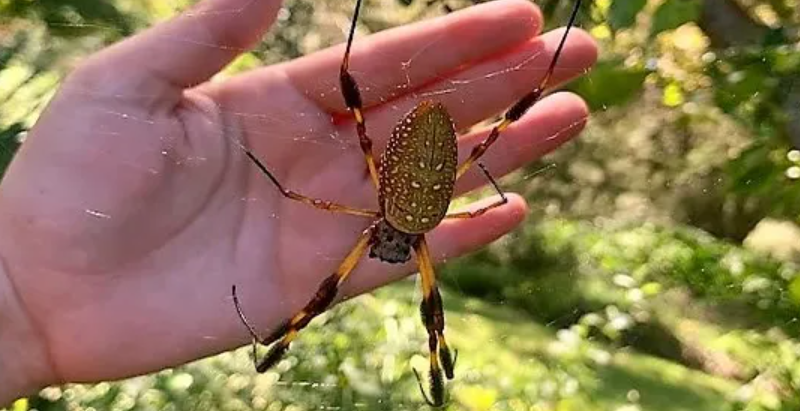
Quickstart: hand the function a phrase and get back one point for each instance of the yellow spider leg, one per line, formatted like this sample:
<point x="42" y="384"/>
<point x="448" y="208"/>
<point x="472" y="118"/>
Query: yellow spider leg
<point x="313" y="202"/>
<point x="433" y="318"/>
<point x="352" y="99"/>
<point x="321" y="301"/>
<point x="481" y="211"/>
<point x="520" y="107"/>
<point x="481" y="148"/>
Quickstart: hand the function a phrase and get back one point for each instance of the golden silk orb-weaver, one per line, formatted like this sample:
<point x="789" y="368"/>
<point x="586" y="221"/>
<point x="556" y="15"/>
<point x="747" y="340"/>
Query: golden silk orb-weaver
<point x="415" y="178"/>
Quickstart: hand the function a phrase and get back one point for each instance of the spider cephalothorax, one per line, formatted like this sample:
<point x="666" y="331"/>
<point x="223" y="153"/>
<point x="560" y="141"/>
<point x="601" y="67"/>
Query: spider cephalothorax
<point x="415" y="183"/>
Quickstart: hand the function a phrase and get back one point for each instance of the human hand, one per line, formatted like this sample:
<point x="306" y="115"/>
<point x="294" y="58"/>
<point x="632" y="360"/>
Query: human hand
<point x="130" y="210"/>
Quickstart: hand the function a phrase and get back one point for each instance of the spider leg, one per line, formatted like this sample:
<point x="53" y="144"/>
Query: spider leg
<point x="520" y="107"/>
<point x="481" y="211"/>
<point x="313" y="202"/>
<point x="441" y="359"/>
<point x="326" y="293"/>
<point x="253" y="333"/>
<point x="352" y="98"/>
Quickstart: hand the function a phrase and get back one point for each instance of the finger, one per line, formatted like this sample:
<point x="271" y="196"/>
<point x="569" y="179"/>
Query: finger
<point x="547" y="125"/>
<point x="471" y="95"/>
<point x="491" y="87"/>
<point x="182" y="52"/>
<point x="450" y="239"/>
<point x="397" y="61"/>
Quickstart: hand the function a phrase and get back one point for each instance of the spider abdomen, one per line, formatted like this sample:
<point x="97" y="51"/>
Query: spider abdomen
<point x="418" y="169"/>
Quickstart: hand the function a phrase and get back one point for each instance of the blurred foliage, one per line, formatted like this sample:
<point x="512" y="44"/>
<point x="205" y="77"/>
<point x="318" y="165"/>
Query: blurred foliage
<point x="654" y="289"/>
<point x="622" y="14"/>
<point x="672" y="14"/>
<point x="558" y="269"/>
<point x="361" y="354"/>
<point x="610" y="84"/>
<point x="9" y="144"/>
<point x="632" y="258"/>
<point x="755" y="84"/>
<point x="68" y="18"/>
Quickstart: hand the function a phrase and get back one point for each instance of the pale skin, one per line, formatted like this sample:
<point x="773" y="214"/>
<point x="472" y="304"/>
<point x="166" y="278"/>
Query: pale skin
<point x="130" y="210"/>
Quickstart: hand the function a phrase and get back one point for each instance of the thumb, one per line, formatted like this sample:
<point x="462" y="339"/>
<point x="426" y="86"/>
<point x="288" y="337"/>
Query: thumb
<point x="180" y="53"/>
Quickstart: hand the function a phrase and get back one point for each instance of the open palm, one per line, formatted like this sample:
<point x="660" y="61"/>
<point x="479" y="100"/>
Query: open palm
<point x="131" y="210"/>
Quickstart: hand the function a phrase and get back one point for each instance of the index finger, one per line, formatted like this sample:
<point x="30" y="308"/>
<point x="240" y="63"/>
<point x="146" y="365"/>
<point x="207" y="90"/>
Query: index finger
<point x="396" y="62"/>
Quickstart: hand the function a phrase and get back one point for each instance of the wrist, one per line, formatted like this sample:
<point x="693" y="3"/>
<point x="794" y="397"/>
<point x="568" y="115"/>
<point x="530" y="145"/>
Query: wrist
<point x="24" y="367"/>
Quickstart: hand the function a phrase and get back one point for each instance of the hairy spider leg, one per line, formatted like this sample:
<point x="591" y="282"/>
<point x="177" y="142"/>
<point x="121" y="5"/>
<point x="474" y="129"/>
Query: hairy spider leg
<point x="283" y="336"/>
<point x="481" y="211"/>
<point x="441" y="359"/>
<point x="352" y="98"/>
<point x="313" y="202"/>
<point x="520" y="107"/>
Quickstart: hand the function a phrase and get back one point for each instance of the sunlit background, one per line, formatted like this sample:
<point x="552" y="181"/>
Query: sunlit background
<point x="659" y="268"/>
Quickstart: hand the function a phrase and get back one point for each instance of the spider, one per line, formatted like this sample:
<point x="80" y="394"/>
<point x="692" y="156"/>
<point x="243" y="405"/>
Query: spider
<point x="415" y="178"/>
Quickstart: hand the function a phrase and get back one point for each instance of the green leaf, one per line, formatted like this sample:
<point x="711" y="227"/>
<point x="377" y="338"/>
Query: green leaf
<point x="675" y="13"/>
<point x="9" y="144"/>
<point x="610" y="84"/>
<point x="622" y="13"/>
<point x="794" y="290"/>
<point x="80" y="17"/>
<point x="734" y="89"/>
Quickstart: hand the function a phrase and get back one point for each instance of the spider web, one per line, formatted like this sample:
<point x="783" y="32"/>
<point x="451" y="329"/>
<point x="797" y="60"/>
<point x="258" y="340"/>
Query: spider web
<point x="454" y="84"/>
<point x="458" y="86"/>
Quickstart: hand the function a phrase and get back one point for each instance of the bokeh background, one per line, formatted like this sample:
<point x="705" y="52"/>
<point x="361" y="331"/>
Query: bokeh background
<point x="659" y="268"/>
